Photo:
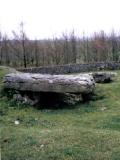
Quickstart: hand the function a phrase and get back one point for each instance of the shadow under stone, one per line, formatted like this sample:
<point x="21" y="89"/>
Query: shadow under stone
<point x="47" y="100"/>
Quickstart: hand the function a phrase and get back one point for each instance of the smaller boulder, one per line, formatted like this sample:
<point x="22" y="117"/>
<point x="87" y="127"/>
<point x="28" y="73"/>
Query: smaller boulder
<point x="103" y="77"/>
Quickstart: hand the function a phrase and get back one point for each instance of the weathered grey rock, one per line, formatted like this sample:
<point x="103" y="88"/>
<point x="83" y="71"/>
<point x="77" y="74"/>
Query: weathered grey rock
<point x="72" y="99"/>
<point x="103" y="77"/>
<point x="24" y="99"/>
<point x="81" y="83"/>
<point x="73" y="68"/>
<point x="17" y="97"/>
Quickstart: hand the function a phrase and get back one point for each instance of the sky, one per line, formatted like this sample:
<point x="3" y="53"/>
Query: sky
<point x="48" y="18"/>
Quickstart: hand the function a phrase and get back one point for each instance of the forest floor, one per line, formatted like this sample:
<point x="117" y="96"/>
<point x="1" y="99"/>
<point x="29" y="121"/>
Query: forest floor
<point x="86" y="131"/>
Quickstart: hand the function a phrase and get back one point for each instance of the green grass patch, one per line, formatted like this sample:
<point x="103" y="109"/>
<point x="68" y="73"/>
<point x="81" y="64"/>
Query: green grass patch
<point x="87" y="131"/>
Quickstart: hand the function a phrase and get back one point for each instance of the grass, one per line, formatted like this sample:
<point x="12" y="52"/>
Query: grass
<point x="89" y="131"/>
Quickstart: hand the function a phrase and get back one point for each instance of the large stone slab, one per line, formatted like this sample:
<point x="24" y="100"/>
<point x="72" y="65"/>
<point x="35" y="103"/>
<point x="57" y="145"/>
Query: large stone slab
<point x="80" y="83"/>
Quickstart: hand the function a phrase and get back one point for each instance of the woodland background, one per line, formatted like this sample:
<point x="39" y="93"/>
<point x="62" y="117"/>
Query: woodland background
<point x="20" y="51"/>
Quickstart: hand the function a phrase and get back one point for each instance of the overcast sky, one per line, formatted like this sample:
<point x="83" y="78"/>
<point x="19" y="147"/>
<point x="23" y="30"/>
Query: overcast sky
<point x="45" y="18"/>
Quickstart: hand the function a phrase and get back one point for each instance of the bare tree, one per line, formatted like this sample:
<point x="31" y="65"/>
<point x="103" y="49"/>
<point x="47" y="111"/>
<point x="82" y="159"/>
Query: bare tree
<point x="66" y="48"/>
<point x="1" y="53"/>
<point x="5" y="49"/>
<point x="73" y="42"/>
<point x="36" y="53"/>
<point x="22" y="41"/>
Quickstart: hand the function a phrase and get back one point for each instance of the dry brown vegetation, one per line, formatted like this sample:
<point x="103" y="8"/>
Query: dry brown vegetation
<point x="20" y="51"/>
